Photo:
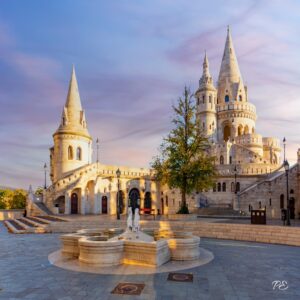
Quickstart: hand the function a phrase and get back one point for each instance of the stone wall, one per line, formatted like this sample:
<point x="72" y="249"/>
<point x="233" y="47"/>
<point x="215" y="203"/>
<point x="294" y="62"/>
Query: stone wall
<point x="268" y="193"/>
<point x="253" y="233"/>
<point x="6" y="214"/>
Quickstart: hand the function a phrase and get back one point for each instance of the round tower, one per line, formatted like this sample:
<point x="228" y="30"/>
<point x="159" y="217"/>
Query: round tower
<point x="206" y="103"/>
<point x="72" y="142"/>
<point x="236" y="116"/>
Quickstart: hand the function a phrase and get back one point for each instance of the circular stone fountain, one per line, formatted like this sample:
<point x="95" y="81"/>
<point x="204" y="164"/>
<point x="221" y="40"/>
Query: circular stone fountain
<point x="115" y="251"/>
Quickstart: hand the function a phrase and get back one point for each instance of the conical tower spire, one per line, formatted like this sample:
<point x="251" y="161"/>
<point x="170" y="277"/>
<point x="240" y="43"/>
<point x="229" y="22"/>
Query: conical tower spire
<point x="230" y="82"/>
<point x="73" y="116"/>
<point x="206" y="79"/>
<point x="73" y="98"/>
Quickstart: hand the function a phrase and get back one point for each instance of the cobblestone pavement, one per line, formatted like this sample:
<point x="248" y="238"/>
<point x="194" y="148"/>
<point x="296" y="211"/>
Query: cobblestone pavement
<point x="240" y="270"/>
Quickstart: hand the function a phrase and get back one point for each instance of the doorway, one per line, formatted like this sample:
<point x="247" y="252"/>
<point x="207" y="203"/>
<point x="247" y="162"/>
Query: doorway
<point x="74" y="203"/>
<point x="104" y="205"/>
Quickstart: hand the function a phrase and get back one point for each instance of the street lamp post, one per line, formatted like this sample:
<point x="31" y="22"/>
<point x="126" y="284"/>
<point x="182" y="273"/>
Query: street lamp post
<point x="284" y="143"/>
<point x="118" y="172"/>
<point x="235" y="175"/>
<point x="97" y="143"/>
<point x="45" y="172"/>
<point x="286" y="167"/>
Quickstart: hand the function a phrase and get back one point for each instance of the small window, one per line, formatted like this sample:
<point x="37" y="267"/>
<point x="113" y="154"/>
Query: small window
<point x="78" y="154"/>
<point x="238" y="186"/>
<point x="226" y="98"/>
<point x="198" y="101"/>
<point x="209" y="99"/>
<point x="221" y="160"/>
<point x="203" y="99"/>
<point x="230" y="159"/>
<point x="70" y="152"/>
<point x="240" y="98"/>
<point x="281" y="201"/>
<point x="270" y="202"/>
<point x="219" y="187"/>
<point x="224" y="187"/>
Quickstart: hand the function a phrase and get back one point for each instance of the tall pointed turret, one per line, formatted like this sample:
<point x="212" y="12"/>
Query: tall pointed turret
<point x="73" y="116"/>
<point x="230" y="82"/>
<point x="72" y="141"/>
<point x="206" y="102"/>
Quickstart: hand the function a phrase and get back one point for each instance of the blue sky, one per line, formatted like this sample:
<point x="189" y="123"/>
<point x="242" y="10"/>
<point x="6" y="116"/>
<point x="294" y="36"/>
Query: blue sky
<point x="132" y="61"/>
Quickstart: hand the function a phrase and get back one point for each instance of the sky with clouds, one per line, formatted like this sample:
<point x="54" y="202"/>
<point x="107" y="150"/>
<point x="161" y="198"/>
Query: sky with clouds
<point x="132" y="61"/>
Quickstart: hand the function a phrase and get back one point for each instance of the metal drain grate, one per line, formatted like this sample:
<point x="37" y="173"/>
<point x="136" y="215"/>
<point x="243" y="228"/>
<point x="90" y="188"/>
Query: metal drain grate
<point x="128" y="288"/>
<point x="181" y="277"/>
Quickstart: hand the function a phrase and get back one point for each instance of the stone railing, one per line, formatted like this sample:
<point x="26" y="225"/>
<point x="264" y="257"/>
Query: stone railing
<point x="237" y="106"/>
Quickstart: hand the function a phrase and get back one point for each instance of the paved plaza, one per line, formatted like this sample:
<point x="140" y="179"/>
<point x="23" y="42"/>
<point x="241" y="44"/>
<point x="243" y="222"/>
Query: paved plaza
<point x="240" y="270"/>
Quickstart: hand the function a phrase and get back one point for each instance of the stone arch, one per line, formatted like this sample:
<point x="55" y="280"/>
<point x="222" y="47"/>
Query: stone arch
<point x="74" y="203"/>
<point x="134" y="197"/>
<point x="240" y="130"/>
<point x="226" y="133"/>
<point x="60" y="204"/>
<point x="246" y="129"/>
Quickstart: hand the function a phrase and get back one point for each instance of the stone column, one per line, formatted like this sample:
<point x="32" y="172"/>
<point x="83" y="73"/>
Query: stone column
<point x="82" y="203"/>
<point x="97" y="199"/>
<point x="67" y="203"/>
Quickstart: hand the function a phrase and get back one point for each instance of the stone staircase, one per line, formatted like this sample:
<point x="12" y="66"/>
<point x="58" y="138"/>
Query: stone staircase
<point x="217" y="211"/>
<point x="41" y="206"/>
<point x="38" y="224"/>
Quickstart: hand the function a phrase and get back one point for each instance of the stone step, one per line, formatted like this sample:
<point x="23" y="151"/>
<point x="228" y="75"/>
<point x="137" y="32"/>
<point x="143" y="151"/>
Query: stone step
<point x="14" y="227"/>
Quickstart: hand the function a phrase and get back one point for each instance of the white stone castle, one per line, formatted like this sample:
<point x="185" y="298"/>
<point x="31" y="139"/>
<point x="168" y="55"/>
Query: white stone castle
<point x="246" y="161"/>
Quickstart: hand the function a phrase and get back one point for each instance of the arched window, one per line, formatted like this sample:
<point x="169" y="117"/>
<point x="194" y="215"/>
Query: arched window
<point x="246" y="130"/>
<point x="78" y="154"/>
<point x="232" y="186"/>
<point x="238" y="186"/>
<point x="221" y="160"/>
<point x="198" y="101"/>
<point x="70" y="152"/>
<point x="291" y="191"/>
<point x="281" y="201"/>
<point x="219" y="187"/>
<point x="226" y="98"/>
<point x="203" y="99"/>
<point x="209" y="99"/>
<point x="230" y="159"/>
<point x="240" y="97"/>
<point x="240" y="130"/>
<point x="224" y="187"/>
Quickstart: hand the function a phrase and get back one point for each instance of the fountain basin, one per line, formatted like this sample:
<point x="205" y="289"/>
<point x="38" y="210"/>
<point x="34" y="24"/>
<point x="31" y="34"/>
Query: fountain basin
<point x="153" y="253"/>
<point x="100" y="252"/>
<point x="69" y="241"/>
